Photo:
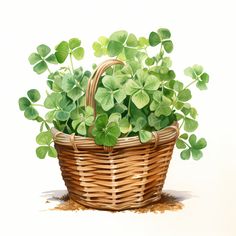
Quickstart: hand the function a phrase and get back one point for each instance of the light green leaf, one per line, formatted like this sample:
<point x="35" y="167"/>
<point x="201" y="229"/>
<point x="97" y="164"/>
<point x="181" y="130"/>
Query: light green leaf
<point x="43" y="50"/>
<point x="154" y="39"/>
<point x="68" y="82"/>
<point x="139" y="124"/>
<point x="198" y="69"/>
<point x="184" y="136"/>
<point x="131" y="87"/>
<point x="33" y="95"/>
<point x="62" y="51"/>
<point x="180" y="144"/>
<point x="185" y="155"/>
<point x="105" y="98"/>
<point x="142" y="42"/>
<point x="82" y="128"/>
<point x="201" y="85"/>
<point x="132" y="41"/>
<point x="149" y="61"/>
<point x="62" y="115"/>
<point x="31" y="113"/>
<point x="168" y="46"/>
<point x="124" y="125"/>
<point x="42" y="151"/>
<point x="75" y="93"/>
<point x="145" y="136"/>
<point x="114" y="48"/>
<point x="52" y="100"/>
<point x="40" y="67"/>
<point x="190" y="72"/>
<point x="52" y="152"/>
<point x="140" y="99"/>
<point x="152" y="83"/>
<point x="184" y="95"/>
<point x="164" y="33"/>
<point x="34" y="58"/>
<point x="49" y="116"/>
<point x="190" y="125"/>
<point x="78" y="53"/>
<point x="24" y="103"/>
<point x="193" y="113"/>
<point x="119" y="95"/>
<point x="197" y="154"/>
<point x="153" y="121"/>
<point x="74" y="43"/>
<point x="119" y="36"/>
<point x="130" y="53"/>
<point x="44" y="138"/>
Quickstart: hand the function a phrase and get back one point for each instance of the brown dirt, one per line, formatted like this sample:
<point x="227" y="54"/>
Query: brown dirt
<point x="166" y="203"/>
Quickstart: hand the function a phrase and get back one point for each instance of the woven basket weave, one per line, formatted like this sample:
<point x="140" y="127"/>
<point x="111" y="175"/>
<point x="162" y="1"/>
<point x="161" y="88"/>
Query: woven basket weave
<point x="128" y="175"/>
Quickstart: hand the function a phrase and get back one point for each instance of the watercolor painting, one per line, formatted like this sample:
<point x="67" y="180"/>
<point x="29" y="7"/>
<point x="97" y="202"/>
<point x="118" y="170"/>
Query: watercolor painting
<point x="114" y="128"/>
<point x="118" y="118"/>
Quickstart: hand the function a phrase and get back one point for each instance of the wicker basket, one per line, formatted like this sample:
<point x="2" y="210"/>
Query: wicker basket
<point x="129" y="175"/>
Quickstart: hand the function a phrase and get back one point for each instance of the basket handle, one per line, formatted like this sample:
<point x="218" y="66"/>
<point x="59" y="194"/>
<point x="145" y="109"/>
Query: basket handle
<point x="93" y="81"/>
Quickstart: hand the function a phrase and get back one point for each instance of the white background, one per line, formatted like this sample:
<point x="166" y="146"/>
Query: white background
<point x="203" y="32"/>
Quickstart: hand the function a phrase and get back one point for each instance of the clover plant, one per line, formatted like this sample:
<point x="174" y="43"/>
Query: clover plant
<point x="133" y="99"/>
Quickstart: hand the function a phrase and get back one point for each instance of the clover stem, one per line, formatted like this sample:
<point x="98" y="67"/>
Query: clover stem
<point x="50" y="72"/>
<point x="38" y="105"/>
<point x="194" y="81"/>
<point x="181" y="124"/>
<point x="71" y="62"/>
<point x="129" y="107"/>
<point x="186" y="143"/>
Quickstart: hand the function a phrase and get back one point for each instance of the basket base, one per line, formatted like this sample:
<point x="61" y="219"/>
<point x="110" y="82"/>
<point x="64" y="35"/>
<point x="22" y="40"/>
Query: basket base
<point x="114" y="207"/>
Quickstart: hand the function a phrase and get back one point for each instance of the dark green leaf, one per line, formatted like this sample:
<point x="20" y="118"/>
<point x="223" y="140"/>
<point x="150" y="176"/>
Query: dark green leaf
<point x="24" y="103"/>
<point x="154" y="39"/>
<point x="62" y="51"/>
<point x="192" y="140"/>
<point x="205" y="77"/>
<point x="168" y="46"/>
<point x="31" y="113"/>
<point x="184" y="136"/>
<point x="201" y="143"/>
<point x="33" y="95"/>
<point x="62" y="115"/>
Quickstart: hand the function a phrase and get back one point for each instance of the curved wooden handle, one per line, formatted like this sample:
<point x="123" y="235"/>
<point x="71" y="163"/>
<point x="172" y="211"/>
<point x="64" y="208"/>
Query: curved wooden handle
<point x="93" y="81"/>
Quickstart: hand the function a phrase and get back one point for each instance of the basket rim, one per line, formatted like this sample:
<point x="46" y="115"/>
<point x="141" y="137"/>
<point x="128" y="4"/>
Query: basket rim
<point x="164" y="135"/>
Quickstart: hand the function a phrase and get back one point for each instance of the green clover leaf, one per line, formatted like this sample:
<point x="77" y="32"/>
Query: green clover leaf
<point x="104" y="132"/>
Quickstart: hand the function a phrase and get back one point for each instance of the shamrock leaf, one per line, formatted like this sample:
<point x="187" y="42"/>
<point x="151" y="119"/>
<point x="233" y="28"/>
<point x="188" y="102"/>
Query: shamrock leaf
<point x="100" y="47"/>
<point x="113" y="90"/>
<point x="139" y="89"/>
<point x="104" y="132"/>
<point x="63" y="49"/>
<point x="39" y="59"/>
<point x="83" y="119"/>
